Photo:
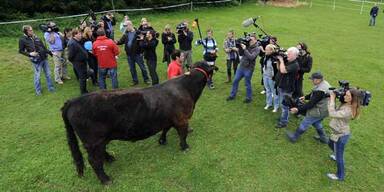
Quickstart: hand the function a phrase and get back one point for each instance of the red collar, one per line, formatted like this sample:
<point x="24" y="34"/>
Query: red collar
<point x="201" y="70"/>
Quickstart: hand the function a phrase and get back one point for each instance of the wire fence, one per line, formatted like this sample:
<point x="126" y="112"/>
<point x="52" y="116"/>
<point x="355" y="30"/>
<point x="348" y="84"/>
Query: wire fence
<point x="360" y="6"/>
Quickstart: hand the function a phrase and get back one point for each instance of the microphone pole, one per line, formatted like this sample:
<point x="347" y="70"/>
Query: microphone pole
<point x="198" y="27"/>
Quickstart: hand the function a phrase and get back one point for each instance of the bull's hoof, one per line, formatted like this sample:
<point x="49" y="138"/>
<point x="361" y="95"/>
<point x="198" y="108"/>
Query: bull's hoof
<point x="162" y="141"/>
<point x="107" y="182"/>
<point x="185" y="147"/>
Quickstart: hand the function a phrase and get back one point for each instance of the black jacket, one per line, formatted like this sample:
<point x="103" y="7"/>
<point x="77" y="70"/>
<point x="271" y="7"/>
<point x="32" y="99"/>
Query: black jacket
<point x="108" y="31"/>
<point x="185" y="42"/>
<point x="134" y="49"/>
<point x="374" y="11"/>
<point x="76" y="52"/>
<point x="305" y="65"/>
<point x="149" y="48"/>
<point x="313" y="98"/>
<point x="287" y="80"/>
<point x="168" y="45"/>
<point x="31" y="44"/>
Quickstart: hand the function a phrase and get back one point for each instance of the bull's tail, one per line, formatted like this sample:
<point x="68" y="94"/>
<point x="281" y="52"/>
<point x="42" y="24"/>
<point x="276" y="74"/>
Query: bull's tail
<point x="72" y="142"/>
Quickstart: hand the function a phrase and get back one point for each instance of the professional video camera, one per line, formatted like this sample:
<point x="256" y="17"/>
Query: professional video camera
<point x="279" y="51"/>
<point x="340" y="92"/>
<point x="244" y="40"/>
<point x="145" y="31"/>
<point x="181" y="27"/>
<point x="49" y="27"/>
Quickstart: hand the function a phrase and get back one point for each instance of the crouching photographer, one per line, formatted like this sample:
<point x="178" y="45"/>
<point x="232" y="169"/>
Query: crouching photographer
<point x="351" y="100"/>
<point x="315" y="109"/>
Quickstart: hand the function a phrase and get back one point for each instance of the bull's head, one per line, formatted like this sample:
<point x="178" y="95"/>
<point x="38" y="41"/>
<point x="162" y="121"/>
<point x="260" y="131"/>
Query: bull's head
<point x="203" y="65"/>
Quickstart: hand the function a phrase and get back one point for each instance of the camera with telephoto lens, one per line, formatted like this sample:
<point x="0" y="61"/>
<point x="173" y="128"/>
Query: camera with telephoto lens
<point x="49" y="27"/>
<point x="181" y="27"/>
<point x="365" y="96"/>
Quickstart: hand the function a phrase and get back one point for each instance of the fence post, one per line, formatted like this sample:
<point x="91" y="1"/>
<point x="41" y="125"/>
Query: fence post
<point x="334" y="4"/>
<point x="240" y="2"/>
<point x="191" y="5"/>
<point x="310" y="6"/>
<point x="362" y="7"/>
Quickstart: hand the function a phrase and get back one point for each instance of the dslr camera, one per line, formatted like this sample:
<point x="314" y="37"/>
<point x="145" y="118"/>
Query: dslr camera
<point x="49" y="27"/>
<point x="181" y="27"/>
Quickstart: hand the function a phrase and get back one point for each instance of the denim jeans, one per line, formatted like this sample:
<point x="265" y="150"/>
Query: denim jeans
<point x="112" y="74"/>
<point x="37" y="67"/>
<point x="315" y="122"/>
<point x="270" y="92"/>
<point x="247" y="74"/>
<point x="284" y="108"/>
<point x="132" y="60"/>
<point x="339" y="147"/>
<point x="372" y="21"/>
<point x="152" y="64"/>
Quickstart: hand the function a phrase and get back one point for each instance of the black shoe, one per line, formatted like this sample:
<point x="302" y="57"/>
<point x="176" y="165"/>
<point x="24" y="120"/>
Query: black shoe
<point x="230" y="98"/>
<point x="148" y="82"/>
<point x="247" y="100"/>
<point x="280" y="125"/>
<point x="134" y="83"/>
<point x="291" y="137"/>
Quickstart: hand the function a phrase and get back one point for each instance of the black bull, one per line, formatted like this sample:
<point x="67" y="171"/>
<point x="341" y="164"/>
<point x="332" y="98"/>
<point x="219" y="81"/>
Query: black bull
<point x="131" y="115"/>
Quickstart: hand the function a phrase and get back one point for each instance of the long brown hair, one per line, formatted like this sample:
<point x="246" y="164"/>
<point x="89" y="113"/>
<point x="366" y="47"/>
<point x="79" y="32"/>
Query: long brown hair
<point x="355" y="103"/>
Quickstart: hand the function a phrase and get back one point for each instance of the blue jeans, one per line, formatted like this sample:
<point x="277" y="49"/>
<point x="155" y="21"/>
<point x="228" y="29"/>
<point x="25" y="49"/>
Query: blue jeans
<point x="37" y="67"/>
<point x="112" y="74"/>
<point x="315" y="122"/>
<point x="270" y="92"/>
<point x="132" y="60"/>
<point x="284" y="108"/>
<point x="247" y="74"/>
<point x="339" y="147"/>
<point x="372" y="21"/>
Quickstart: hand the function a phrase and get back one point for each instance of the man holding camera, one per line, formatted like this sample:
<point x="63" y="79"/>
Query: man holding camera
<point x="315" y="110"/>
<point x="134" y="53"/>
<point x="109" y="22"/>
<point x="185" y="38"/>
<point x="55" y="40"/>
<point x="31" y="46"/>
<point x="286" y="77"/>
<point x="247" y="66"/>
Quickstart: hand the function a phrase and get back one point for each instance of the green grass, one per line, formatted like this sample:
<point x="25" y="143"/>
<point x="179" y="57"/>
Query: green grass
<point x="234" y="146"/>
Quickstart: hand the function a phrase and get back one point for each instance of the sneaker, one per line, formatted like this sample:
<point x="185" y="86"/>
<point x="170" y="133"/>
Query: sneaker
<point x="332" y="157"/>
<point x="211" y="86"/>
<point x="247" y="101"/>
<point x="60" y="82"/>
<point x="275" y="110"/>
<point x="324" y="139"/>
<point x="190" y="130"/>
<point x="291" y="137"/>
<point x="148" y="82"/>
<point x="262" y="92"/>
<point x="230" y="98"/>
<point x="280" y="125"/>
<point x="267" y="107"/>
<point x="67" y="78"/>
<point x="333" y="176"/>
<point x="38" y="94"/>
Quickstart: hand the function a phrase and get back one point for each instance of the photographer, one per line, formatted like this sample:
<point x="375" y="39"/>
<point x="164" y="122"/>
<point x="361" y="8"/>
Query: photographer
<point x="78" y="56"/>
<point x="168" y="39"/>
<point x="109" y="22"/>
<point x="286" y="77"/>
<point x="149" y="44"/>
<point x="134" y="53"/>
<point x="209" y="53"/>
<point x="315" y="110"/>
<point x="271" y="40"/>
<point x="305" y="66"/>
<point x="32" y="47"/>
<point x="269" y="71"/>
<point x="232" y="54"/>
<point x="185" y="38"/>
<point x="340" y="130"/>
<point x="247" y="66"/>
<point x="55" y="41"/>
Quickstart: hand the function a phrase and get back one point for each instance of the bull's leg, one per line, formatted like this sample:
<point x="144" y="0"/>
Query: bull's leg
<point x="163" y="137"/>
<point x="183" y="132"/>
<point x="95" y="158"/>
<point x="107" y="157"/>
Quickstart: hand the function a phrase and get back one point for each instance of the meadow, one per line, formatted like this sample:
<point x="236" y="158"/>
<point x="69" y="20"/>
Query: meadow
<point x="234" y="146"/>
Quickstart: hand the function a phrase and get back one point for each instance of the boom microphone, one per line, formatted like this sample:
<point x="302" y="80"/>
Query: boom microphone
<point x="250" y="21"/>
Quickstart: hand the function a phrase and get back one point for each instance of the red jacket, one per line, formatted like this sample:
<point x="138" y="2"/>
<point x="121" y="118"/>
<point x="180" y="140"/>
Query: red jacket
<point x="105" y="51"/>
<point x="174" y="69"/>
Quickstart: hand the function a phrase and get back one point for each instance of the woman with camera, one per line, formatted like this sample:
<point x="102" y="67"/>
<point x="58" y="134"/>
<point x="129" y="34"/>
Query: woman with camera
<point x="149" y="44"/>
<point x="168" y="39"/>
<point x="340" y="117"/>
<point x="269" y="70"/>
<point x="210" y="52"/>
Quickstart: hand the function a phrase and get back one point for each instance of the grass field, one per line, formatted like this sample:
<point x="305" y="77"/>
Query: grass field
<point x="234" y="146"/>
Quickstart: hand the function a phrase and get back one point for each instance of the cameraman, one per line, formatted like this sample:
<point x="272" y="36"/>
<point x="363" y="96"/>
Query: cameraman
<point x="247" y="66"/>
<point x="109" y="22"/>
<point x="185" y="38"/>
<point x="134" y="53"/>
<point x="315" y="110"/>
<point x="55" y="41"/>
<point x="305" y="66"/>
<point x="31" y="46"/>
<point x="286" y="77"/>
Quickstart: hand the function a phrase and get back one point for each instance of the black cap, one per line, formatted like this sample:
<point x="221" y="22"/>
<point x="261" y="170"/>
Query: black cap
<point x="316" y="75"/>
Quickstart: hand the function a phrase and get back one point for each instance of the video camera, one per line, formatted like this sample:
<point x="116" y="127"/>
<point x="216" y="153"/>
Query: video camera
<point x="244" y="40"/>
<point x="49" y="27"/>
<point x="145" y="31"/>
<point x="340" y="92"/>
<point x="181" y="27"/>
